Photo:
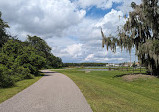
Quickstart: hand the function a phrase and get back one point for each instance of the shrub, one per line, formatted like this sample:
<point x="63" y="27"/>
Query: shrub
<point x="33" y="69"/>
<point x="6" y="79"/>
<point x="21" y="73"/>
<point x="37" y="61"/>
<point x="6" y="60"/>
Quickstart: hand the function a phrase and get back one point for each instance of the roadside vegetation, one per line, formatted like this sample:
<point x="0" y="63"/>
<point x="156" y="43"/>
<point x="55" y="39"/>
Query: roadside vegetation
<point x="116" y="91"/>
<point x="23" y="60"/>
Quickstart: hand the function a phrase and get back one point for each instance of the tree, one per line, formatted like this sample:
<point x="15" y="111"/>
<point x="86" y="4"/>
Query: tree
<point x="140" y="31"/>
<point x="54" y="62"/>
<point x="12" y="48"/>
<point x="40" y="45"/>
<point x="31" y="61"/>
<point x="44" y="50"/>
<point x="23" y="60"/>
<point x="3" y="35"/>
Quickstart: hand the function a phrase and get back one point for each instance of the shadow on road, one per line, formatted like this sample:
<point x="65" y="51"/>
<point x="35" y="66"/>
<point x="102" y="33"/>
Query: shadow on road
<point x="48" y="72"/>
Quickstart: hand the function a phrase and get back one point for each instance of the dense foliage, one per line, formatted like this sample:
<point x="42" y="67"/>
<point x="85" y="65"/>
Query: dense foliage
<point x="141" y="31"/>
<point x="42" y="49"/>
<point x="23" y="60"/>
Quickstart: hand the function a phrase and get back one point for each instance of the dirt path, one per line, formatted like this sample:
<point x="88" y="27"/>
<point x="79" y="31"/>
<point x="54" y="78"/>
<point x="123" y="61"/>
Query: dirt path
<point x="54" y="92"/>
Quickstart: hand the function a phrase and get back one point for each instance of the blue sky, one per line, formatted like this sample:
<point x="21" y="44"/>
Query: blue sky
<point x="96" y="13"/>
<point x="71" y="28"/>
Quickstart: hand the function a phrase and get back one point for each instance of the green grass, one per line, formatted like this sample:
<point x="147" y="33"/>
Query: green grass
<point x="6" y="93"/>
<point x="105" y="92"/>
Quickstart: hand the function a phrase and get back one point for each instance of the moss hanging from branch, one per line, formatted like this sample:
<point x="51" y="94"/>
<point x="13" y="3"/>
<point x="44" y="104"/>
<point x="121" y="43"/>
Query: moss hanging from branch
<point x="142" y="32"/>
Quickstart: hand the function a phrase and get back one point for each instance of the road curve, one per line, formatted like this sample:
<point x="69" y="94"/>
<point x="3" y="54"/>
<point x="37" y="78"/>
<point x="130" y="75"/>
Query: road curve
<point x="54" y="92"/>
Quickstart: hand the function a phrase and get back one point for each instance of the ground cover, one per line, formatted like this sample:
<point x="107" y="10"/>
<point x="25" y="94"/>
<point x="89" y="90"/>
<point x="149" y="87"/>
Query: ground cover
<point x="107" y="91"/>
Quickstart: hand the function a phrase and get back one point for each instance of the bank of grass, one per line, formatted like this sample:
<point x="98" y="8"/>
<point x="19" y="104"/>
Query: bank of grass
<point x="106" y="91"/>
<point x="6" y="93"/>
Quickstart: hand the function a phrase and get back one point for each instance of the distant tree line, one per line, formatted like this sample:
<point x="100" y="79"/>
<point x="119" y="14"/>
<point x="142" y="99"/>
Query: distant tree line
<point x="23" y="60"/>
<point x="83" y="64"/>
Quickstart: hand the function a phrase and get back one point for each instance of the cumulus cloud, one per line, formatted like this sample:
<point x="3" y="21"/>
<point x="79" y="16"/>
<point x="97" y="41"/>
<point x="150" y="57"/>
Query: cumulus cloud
<point x="88" y="33"/>
<point x="104" y="4"/>
<point x="45" y="17"/>
<point x="89" y="57"/>
<point x="126" y="5"/>
<point x="74" y="50"/>
<point x="63" y="24"/>
<point x="111" y="21"/>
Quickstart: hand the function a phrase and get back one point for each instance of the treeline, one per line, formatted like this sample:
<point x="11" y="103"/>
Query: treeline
<point x="23" y="60"/>
<point x="83" y="64"/>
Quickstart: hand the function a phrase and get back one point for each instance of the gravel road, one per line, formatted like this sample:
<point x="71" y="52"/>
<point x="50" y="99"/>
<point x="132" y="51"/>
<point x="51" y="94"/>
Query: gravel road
<point x="54" y="92"/>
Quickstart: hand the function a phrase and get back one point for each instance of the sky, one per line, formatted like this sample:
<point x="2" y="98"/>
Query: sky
<point x="72" y="28"/>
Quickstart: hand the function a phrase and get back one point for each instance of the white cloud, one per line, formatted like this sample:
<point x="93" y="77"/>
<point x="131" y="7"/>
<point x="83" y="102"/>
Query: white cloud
<point x="112" y="17"/>
<point x="104" y="4"/>
<point x="45" y="17"/>
<point x="126" y="6"/>
<point x="72" y="36"/>
<point x="111" y="21"/>
<point x="107" y="4"/>
<point x="89" y="57"/>
<point x="88" y="47"/>
<point x="74" y="50"/>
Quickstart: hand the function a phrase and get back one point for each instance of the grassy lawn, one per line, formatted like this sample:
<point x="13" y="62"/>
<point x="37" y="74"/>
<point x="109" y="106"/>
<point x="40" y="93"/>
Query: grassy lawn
<point x="6" y="93"/>
<point x="105" y="91"/>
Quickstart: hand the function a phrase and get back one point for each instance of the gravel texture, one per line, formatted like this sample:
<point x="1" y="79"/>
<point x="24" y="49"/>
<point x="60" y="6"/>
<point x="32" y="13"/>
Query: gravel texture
<point x="54" y="92"/>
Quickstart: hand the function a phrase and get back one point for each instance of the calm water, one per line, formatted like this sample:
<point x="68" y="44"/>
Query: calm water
<point x="94" y="70"/>
<point x="100" y="67"/>
<point x="96" y="67"/>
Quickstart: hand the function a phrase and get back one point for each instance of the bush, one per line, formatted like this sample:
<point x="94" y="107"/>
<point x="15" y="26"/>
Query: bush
<point x="37" y="61"/>
<point x="6" y="79"/>
<point x="21" y="73"/>
<point x="33" y="69"/>
<point x="6" y="60"/>
<point x="29" y="76"/>
<point x="12" y="48"/>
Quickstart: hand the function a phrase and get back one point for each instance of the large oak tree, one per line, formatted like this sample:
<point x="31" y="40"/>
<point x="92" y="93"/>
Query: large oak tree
<point x="141" y="31"/>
